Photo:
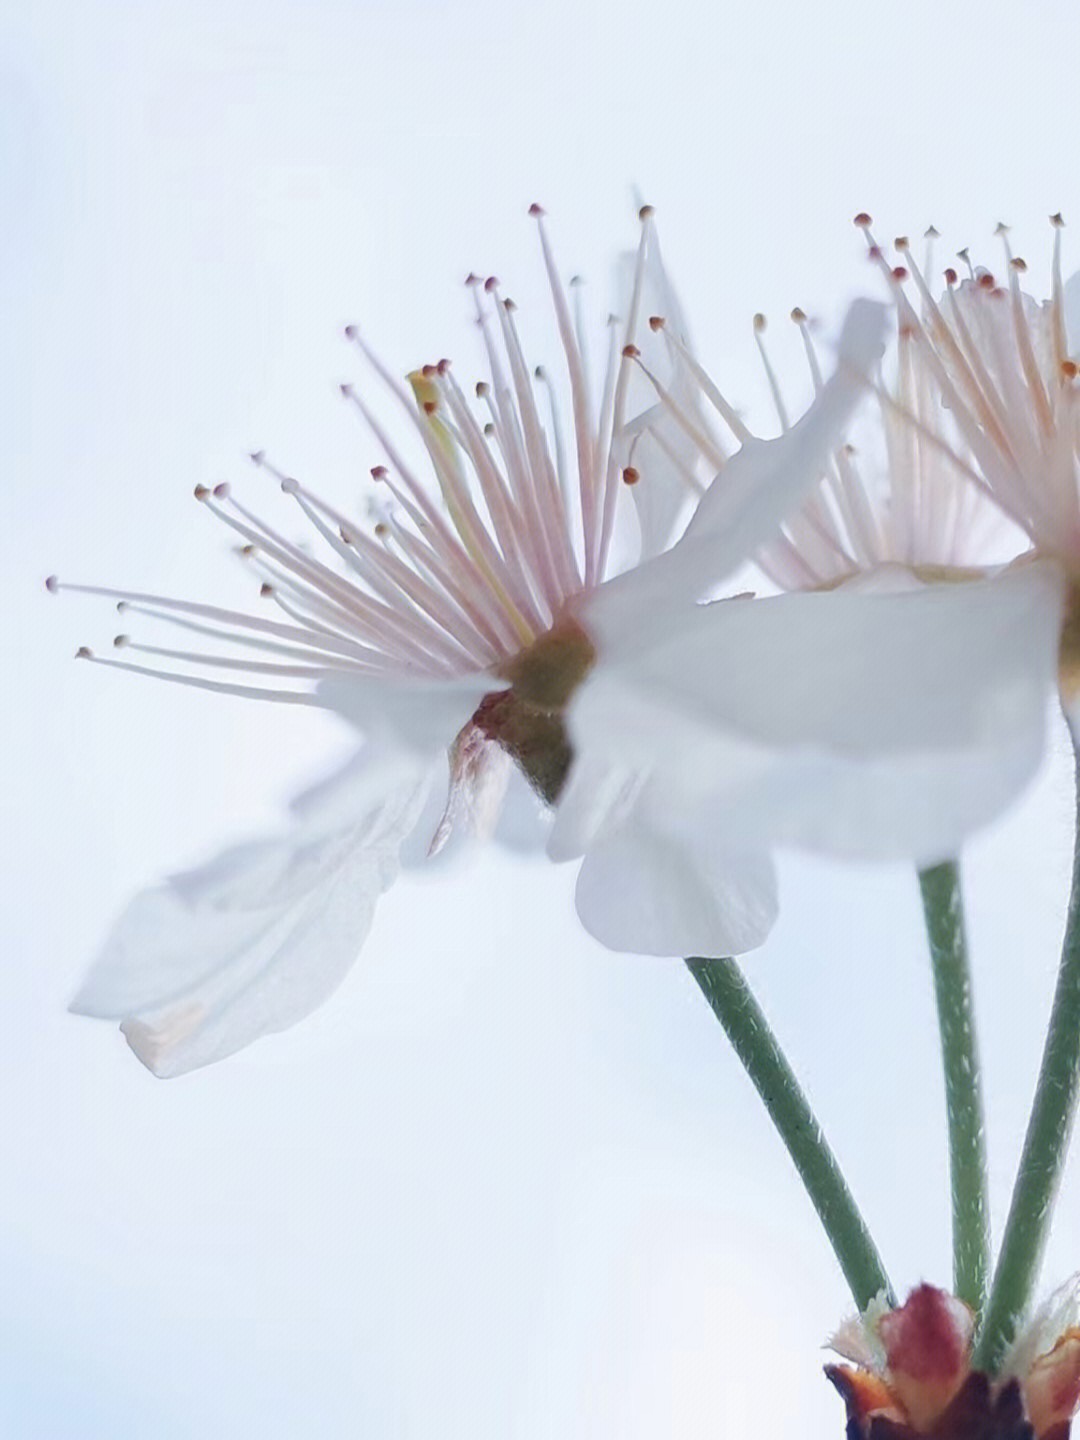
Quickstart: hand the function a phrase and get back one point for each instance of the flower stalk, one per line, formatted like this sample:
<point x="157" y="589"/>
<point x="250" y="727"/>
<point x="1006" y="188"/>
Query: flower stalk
<point x="725" y="988"/>
<point x="944" y="911"/>
<point x="1045" y="1146"/>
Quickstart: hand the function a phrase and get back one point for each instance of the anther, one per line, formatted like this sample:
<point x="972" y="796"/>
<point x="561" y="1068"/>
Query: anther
<point x="646" y="212"/>
<point x="221" y="492"/>
<point x="1057" y="220"/>
<point x="257" y="457"/>
<point x="266" y="590"/>
<point x="509" y="306"/>
<point x="84" y="653"/>
<point x="428" y="371"/>
<point x="1001" y="228"/>
<point x="379" y="472"/>
<point x="1070" y="369"/>
<point x="482" y="389"/>
<point x="630" y="475"/>
<point x="52" y="585"/>
<point x="491" y="283"/>
<point x="986" y="280"/>
<point x="899" y="273"/>
<point x="901" y="242"/>
<point x="472" y="278"/>
<point x="931" y="233"/>
<point x="247" y="551"/>
<point x="536" y="211"/>
<point x="951" y="276"/>
<point x="630" y="352"/>
<point x="799" y="316"/>
<point x="119" y="641"/>
<point x="759" y="322"/>
<point x="201" y="492"/>
<point x="430" y="407"/>
<point x="862" y="221"/>
<point x="656" y="322"/>
<point x="443" y="366"/>
<point x="346" y="390"/>
<point x="382" y="529"/>
<point x="289" y="486"/>
<point x="1018" y="264"/>
<point x="350" y="332"/>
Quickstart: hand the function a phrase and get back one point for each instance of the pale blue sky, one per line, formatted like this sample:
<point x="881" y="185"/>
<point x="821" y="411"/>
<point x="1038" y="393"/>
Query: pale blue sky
<point x="505" y="1184"/>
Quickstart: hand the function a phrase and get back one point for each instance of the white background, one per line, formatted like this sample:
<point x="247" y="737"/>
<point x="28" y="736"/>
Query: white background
<point x="505" y="1186"/>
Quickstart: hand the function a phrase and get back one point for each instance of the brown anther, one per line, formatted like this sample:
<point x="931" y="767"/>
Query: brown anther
<point x="874" y="253"/>
<point x="901" y="242"/>
<point x="951" y="276"/>
<point x="539" y="373"/>
<point x="379" y="472"/>
<point x="221" y="492"/>
<point x="430" y="407"/>
<point x="630" y="475"/>
<point x="862" y="220"/>
<point x="350" y="332"/>
<point x="428" y="371"/>
<point x="472" y="278"/>
<point x="799" y="316"/>
<point x="630" y="352"/>
<point x="575" y="281"/>
<point x="646" y="212"/>
<point x="443" y="366"/>
<point x="1070" y="369"/>
<point x="201" y="492"/>
<point x="247" y="551"/>
<point x="52" y="584"/>
<point x="509" y="306"/>
<point x="899" y="273"/>
<point x="759" y="322"/>
<point x="382" y="529"/>
<point x="482" y="389"/>
<point x="266" y="590"/>
<point x="536" y="211"/>
<point x="121" y="640"/>
<point x="491" y="283"/>
<point x="1057" y="220"/>
<point x="121" y="607"/>
<point x="489" y="428"/>
<point x="1018" y="264"/>
<point x="656" y="322"/>
<point x="84" y="653"/>
<point x="986" y="281"/>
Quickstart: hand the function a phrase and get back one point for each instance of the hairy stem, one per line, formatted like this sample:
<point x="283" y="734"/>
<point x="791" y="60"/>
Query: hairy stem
<point x="724" y="986"/>
<point x="943" y="907"/>
<point x="1045" y="1148"/>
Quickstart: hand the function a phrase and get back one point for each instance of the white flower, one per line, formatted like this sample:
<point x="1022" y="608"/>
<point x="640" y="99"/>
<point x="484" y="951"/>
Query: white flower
<point x="490" y="624"/>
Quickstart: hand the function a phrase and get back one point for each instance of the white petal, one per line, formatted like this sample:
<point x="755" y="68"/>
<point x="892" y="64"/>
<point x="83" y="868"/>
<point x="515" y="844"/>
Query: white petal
<point x="662" y="495"/>
<point x="652" y="889"/>
<point x="205" y="964"/>
<point x="421" y="715"/>
<point x="745" y="505"/>
<point x="857" y="723"/>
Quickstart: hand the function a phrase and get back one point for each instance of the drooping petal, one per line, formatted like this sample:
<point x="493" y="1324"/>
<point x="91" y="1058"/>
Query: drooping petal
<point x="653" y="889"/>
<point x="744" y="506"/>
<point x="201" y="966"/>
<point x="871" y="724"/>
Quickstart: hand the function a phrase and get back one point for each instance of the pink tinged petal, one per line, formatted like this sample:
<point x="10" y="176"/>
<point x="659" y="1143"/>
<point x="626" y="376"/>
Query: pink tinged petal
<point x="868" y="724"/>
<point x="654" y="890"/>
<point x="745" y="505"/>
<point x="927" y="1346"/>
<point x="200" y="967"/>
<point x="1052" y="1386"/>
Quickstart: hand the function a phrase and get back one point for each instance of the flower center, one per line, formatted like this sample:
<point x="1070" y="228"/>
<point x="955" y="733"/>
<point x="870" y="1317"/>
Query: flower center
<point x="527" y="719"/>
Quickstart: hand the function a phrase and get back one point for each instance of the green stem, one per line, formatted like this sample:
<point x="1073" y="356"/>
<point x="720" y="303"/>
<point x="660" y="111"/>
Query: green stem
<point x="733" y="1004"/>
<point x="1045" y="1147"/>
<point x="944" y="910"/>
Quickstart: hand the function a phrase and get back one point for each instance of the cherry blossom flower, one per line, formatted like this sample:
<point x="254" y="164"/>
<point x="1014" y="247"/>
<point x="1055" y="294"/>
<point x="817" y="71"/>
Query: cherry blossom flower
<point x="488" y="628"/>
<point x="910" y="1372"/>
